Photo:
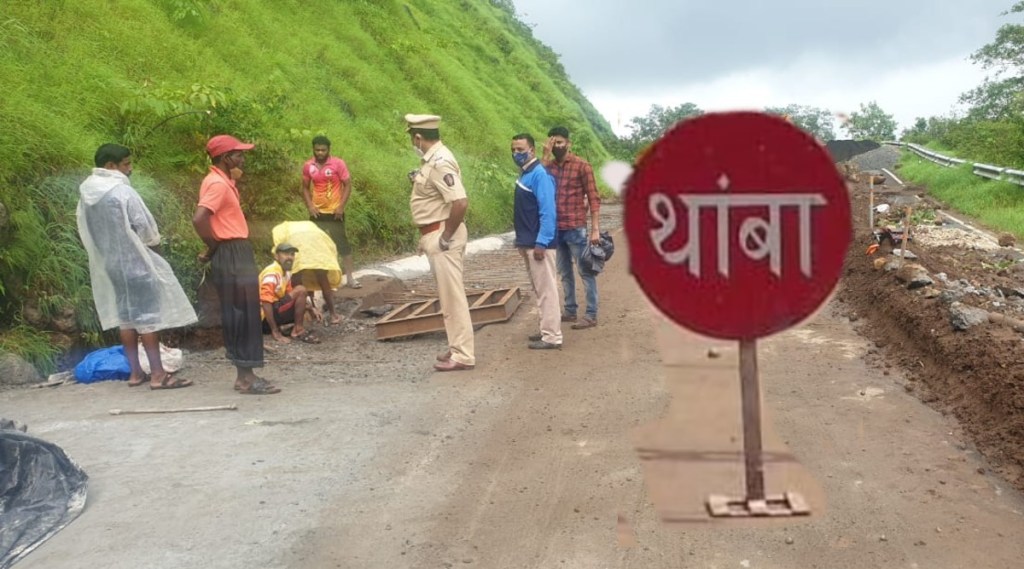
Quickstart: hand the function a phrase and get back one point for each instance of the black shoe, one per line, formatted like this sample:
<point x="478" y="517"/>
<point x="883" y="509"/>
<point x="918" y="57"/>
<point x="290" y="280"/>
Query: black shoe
<point x="534" y="337"/>
<point x="542" y="345"/>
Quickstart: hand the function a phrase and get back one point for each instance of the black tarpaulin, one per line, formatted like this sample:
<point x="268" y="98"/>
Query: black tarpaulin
<point x="41" y="491"/>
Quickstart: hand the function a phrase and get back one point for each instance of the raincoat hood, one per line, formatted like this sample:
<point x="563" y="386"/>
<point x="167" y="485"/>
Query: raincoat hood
<point x="99" y="183"/>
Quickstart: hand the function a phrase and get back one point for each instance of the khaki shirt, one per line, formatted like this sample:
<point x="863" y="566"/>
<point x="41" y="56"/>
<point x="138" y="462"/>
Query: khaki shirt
<point x="435" y="186"/>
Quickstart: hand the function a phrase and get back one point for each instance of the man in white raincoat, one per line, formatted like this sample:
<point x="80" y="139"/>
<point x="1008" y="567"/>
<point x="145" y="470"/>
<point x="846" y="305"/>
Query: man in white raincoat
<point x="133" y="286"/>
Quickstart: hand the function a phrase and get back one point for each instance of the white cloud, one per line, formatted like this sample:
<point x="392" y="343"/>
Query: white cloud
<point x="906" y="93"/>
<point x="910" y="57"/>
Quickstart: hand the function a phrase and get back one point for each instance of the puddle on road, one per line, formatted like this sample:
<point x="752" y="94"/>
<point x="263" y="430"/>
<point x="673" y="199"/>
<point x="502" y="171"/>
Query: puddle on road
<point x="866" y="394"/>
<point x="849" y="350"/>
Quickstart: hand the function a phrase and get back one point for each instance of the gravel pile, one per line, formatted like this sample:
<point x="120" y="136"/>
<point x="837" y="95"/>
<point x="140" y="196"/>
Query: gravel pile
<point x="943" y="236"/>
<point x="884" y="157"/>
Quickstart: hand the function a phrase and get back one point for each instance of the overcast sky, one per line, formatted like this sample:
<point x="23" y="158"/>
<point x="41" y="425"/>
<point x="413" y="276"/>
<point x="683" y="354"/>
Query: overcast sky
<point x="909" y="56"/>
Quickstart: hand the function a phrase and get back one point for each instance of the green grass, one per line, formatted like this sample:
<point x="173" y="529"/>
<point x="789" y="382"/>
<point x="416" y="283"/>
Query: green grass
<point x="997" y="205"/>
<point x="936" y="146"/>
<point x="167" y="74"/>
<point x="28" y="343"/>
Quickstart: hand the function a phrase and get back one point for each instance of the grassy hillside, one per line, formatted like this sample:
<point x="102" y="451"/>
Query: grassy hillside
<point x="161" y="76"/>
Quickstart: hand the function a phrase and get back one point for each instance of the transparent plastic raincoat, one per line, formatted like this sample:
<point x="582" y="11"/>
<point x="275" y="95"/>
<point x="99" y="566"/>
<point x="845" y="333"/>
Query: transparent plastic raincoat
<point x="133" y="287"/>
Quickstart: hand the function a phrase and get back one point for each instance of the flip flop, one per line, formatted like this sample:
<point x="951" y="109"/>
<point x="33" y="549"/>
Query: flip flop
<point x="145" y="379"/>
<point x="307" y="337"/>
<point x="171" y="382"/>
<point x="259" y="387"/>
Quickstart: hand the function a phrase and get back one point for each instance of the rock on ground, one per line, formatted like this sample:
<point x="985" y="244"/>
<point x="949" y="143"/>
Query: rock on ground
<point x="963" y="317"/>
<point x="14" y="370"/>
<point x="914" y="275"/>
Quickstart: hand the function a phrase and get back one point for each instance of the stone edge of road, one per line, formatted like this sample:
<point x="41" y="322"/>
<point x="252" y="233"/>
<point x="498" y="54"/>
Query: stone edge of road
<point x="417" y="265"/>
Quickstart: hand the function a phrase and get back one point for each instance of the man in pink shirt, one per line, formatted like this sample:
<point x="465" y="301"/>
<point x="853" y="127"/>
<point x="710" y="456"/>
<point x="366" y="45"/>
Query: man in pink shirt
<point x="326" y="187"/>
<point x="220" y="223"/>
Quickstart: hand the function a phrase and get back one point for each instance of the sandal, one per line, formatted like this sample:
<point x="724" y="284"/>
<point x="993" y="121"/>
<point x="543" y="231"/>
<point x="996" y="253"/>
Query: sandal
<point x="259" y="386"/>
<point x="171" y="382"/>
<point x="307" y="337"/>
<point x="145" y="379"/>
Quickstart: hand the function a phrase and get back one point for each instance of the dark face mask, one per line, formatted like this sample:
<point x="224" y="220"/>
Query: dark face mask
<point x="559" y="152"/>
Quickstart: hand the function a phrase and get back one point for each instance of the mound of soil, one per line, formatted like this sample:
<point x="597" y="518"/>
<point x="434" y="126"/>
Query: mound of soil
<point x="976" y="374"/>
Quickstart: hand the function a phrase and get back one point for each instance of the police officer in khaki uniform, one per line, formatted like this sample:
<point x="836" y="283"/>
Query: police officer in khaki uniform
<point x="438" y="203"/>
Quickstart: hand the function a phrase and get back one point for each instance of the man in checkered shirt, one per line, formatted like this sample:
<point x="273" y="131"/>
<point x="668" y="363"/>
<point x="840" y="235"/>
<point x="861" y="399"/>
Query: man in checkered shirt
<point x="575" y="194"/>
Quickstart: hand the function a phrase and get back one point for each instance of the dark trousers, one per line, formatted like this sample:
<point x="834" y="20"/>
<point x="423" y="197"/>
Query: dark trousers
<point x="236" y="278"/>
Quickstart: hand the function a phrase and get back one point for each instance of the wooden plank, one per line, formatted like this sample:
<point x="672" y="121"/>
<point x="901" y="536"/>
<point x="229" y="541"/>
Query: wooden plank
<point x="419" y="321"/>
<point x="399" y="313"/>
<point x="483" y="299"/>
<point x="425" y="305"/>
<point x="508" y="293"/>
<point x="512" y="301"/>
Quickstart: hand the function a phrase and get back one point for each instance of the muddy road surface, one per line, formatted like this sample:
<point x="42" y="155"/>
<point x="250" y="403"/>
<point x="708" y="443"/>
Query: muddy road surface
<point x="369" y="459"/>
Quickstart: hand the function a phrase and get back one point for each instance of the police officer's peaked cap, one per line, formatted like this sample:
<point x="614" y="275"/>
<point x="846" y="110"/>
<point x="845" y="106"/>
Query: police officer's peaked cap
<point x="422" y="121"/>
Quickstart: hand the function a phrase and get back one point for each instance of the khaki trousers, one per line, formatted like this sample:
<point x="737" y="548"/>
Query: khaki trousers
<point x="542" y="275"/>
<point x="447" y="269"/>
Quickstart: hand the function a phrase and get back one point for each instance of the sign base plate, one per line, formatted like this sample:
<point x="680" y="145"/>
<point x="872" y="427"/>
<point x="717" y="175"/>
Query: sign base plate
<point x="777" y="505"/>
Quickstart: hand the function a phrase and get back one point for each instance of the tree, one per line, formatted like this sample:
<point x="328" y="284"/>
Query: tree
<point x="871" y="123"/>
<point x="647" y="129"/>
<point x="818" y="122"/>
<point x="1000" y="97"/>
<point x="917" y="133"/>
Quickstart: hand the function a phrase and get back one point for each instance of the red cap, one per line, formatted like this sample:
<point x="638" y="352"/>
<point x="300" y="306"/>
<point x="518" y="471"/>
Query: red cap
<point x="223" y="143"/>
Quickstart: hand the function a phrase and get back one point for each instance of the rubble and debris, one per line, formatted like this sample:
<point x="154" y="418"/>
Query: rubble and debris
<point x="1007" y="240"/>
<point x="952" y="236"/>
<point x="949" y="296"/>
<point x="377" y="311"/>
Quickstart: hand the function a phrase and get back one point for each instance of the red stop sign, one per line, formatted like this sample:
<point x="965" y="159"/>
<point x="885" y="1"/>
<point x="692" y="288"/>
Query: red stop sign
<point x="738" y="224"/>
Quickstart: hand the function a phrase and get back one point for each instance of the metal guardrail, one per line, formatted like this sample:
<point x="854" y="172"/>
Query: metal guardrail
<point x="983" y="170"/>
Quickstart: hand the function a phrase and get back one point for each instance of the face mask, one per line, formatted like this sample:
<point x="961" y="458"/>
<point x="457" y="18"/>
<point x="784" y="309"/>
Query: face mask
<point x="521" y="158"/>
<point x="559" y="152"/>
<point x="235" y="173"/>
<point x="418" y="150"/>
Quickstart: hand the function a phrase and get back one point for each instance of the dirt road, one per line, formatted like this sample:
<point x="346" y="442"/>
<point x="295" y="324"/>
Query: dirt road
<point x="368" y="459"/>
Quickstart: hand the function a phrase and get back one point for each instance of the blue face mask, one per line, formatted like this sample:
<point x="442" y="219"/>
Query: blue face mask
<point x="520" y="158"/>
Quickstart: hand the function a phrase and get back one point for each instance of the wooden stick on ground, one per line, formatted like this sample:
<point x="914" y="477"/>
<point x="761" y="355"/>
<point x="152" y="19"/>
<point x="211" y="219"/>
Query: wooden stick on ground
<point x="231" y="407"/>
<point x="996" y="318"/>
<point x="871" y="208"/>
<point x="906" y="236"/>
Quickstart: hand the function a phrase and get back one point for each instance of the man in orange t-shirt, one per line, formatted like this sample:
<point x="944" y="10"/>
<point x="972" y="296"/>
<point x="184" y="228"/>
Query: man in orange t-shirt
<point x="220" y="223"/>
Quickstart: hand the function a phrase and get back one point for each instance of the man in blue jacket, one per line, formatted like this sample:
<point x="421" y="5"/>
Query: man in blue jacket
<point x="534" y="222"/>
